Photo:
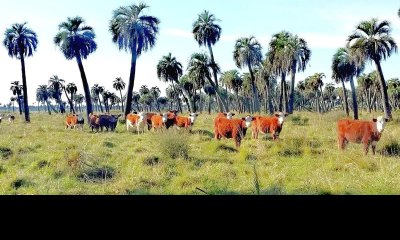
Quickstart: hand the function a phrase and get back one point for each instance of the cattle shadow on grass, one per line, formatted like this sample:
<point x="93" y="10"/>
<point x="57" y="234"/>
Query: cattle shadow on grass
<point x="390" y="150"/>
<point x="226" y="148"/>
<point x="96" y="174"/>
<point x="204" y="133"/>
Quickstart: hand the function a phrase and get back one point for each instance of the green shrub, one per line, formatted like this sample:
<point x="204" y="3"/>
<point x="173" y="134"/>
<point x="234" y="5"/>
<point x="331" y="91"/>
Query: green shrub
<point x="173" y="144"/>
<point x="5" y="152"/>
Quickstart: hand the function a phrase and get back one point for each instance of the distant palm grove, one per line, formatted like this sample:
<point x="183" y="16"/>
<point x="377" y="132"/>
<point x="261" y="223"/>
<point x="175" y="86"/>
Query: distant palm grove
<point x="268" y="83"/>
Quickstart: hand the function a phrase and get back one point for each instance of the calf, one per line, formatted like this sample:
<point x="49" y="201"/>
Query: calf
<point x="231" y="128"/>
<point x="138" y="120"/>
<point x="365" y="132"/>
<point x="267" y="125"/>
<point x="80" y="122"/>
<point x="109" y="122"/>
<point x="94" y="121"/>
<point x="186" y="122"/>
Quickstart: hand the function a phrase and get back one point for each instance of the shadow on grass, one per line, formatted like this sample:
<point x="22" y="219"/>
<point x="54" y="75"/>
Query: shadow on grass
<point x="391" y="150"/>
<point x="226" y="148"/>
<point x="96" y="174"/>
<point x="5" y="152"/>
<point x="204" y="133"/>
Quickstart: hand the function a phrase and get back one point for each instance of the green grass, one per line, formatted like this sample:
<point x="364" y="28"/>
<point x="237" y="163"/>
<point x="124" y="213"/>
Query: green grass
<point x="45" y="158"/>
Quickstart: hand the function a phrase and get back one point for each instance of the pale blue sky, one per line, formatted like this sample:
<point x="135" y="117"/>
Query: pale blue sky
<point x="323" y="24"/>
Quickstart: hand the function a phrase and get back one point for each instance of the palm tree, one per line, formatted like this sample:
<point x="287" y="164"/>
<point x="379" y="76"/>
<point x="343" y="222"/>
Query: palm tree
<point x="119" y="85"/>
<point x="233" y="81"/>
<point x="17" y="89"/>
<point x="97" y="91"/>
<point x="200" y="67"/>
<point x="265" y="77"/>
<point x="170" y="70"/>
<point x="43" y="94"/>
<point x="135" y="99"/>
<point x="207" y="33"/>
<point x="71" y="88"/>
<point x="136" y="33"/>
<point x="57" y="84"/>
<point x="210" y="91"/>
<point x="78" y="98"/>
<point x="21" y="42"/>
<point x="345" y="69"/>
<point x="106" y="96"/>
<point x="372" y="41"/>
<point x="76" y="40"/>
<point x="248" y="53"/>
<point x="155" y="94"/>
<point x="173" y="93"/>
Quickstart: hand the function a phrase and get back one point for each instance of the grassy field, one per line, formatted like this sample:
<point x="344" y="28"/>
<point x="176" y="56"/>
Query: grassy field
<point x="45" y="158"/>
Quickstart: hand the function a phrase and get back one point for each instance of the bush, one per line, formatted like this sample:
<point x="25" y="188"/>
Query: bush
<point x="173" y="144"/>
<point x="299" y="121"/>
<point x="5" y="152"/>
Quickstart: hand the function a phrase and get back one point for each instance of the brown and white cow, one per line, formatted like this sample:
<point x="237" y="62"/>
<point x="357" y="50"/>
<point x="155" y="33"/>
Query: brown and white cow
<point x="231" y="128"/>
<point x="70" y="121"/>
<point x="158" y="121"/>
<point x="138" y="120"/>
<point x="365" y="132"/>
<point x="267" y="125"/>
<point x="186" y="122"/>
<point x="94" y="121"/>
<point x="228" y="115"/>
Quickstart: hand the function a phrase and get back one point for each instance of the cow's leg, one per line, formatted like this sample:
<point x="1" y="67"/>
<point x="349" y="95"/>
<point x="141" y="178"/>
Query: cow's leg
<point x="366" y="142"/>
<point x="342" y="142"/>
<point x="237" y="140"/>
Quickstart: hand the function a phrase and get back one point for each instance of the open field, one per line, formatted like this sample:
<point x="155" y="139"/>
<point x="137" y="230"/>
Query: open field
<point x="45" y="158"/>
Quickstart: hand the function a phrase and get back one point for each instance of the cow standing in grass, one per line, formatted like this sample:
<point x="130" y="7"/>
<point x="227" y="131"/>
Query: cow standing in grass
<point x="137" y="120"/>
<point x="232" y="128"/>
<point x="366" y="132"/>
<point x="267" y="125"/>
<point x="185" y="122"/>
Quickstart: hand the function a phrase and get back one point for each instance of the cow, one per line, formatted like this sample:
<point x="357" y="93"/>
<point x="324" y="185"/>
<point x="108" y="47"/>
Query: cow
<point x="231" y="128"/>
<point x="365" y="132"/>
<point x="171" y="119"/>
<point x="109" y="122"/>
<point x="94" y="121"/>
<point x="228" y="115"/>
<point x="186" y="122"/>
<point x="158" y="121"/>
<point x="70" y="121"/>
<point x="80" y="122"/>
<point x="267" y="125"/>
<point x="138" y="120"/>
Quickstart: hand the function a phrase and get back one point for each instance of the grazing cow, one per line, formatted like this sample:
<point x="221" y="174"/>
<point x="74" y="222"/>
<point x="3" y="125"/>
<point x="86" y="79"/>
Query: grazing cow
<point x="171" y="119"/>
<point x="11" y="118"/>
<point x="71" y="121"/>
<point x="267" y="125"/>
<point x="147" y="119"/>
<point x="186" y="122"/>
<point x="365" y="132"/>
<point x="231" y="128"/>
<point x="228" y="115"/>
<point x="158" y="121"/>
<point x="138" y="120"/>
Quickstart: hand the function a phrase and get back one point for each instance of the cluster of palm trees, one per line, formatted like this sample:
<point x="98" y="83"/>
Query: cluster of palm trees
<point x="255" y="90"/>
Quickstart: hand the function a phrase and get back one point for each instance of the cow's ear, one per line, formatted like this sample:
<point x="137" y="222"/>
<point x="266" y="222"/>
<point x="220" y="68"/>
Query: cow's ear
<point x="374" y="120"/>
<point x="134" y="112"/>
<point x="233" y="114"/>
<point x="277" y="115"/>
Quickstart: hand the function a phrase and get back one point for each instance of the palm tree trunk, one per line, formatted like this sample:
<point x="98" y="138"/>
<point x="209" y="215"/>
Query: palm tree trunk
<point x="346" y="104"/>
<point x="292" y="83"/>
<point x="71" y="105"/>
<point x="19" y="104"/>
<point x="128" y="103"/>
<point x="354" y="97"/>
<point x="218" y="94"/>
<point x="256" y="102"/>
<point x="385" y="97"/>
<point x="89" y="107"/>
<point x="209" y="104"/>
<point x="122" y="101"/>
<point x="221" y="104"/>
<point x="283" y="80"/>
<point x="25" y="89"/>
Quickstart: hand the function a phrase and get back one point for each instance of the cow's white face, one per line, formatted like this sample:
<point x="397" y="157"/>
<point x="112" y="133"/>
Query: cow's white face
<point x="164" y="117"/>
<point x="141" y="115"/>
<point x="380" y="124"/>
<point x="248" y="121"/>
<point x="281" y="117"/>
<point x="230" y="115"/>
<point x="193" y="117"/>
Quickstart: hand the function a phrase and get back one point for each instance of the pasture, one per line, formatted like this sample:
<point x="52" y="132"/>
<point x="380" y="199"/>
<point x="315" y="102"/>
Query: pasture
<point x="45" y="158"/>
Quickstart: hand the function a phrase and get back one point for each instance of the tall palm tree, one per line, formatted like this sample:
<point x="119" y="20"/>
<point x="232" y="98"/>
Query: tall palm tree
<point x="207" y="33"/>
<point x="78" y="98"/>
<point x="372" y="41"/>
<point x="135" y="99"/>
<point x="170" y="70"/>
<point x="76" y="40"/>
<point x="106" y="96"/>
<point x="17" y="89"/>
<point x="233" y="81"/>
<point x="265" y="76"/>
<point x="57" y="85"/>
<point x="21" y="42"/>
<point x="136" y="33"/>
<point x="248" y="53"/>
<point x="345" y="69"/>
<point x="71" y="89"/>
<point x="155" y="94"/>
<point x="200" y="67"/>
<point x="119" y="85"/>
<point x="210" y="91"/>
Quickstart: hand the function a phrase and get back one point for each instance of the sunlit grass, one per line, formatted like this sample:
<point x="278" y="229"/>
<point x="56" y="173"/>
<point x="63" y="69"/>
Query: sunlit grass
<point x="45" y="158"/>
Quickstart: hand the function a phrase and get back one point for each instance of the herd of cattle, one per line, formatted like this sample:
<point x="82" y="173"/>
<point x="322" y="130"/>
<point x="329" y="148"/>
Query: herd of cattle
<point x="225" y="126"/>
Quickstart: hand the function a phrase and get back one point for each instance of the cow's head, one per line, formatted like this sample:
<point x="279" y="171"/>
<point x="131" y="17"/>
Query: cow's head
<point x="380" y="123"/>
<point x="141" y="115"/>
<point x="229" y="115"/>
<point x="247" y="120"/>
<point x="164" y="117"/>
<point x="174" y="112"/>
<point x="193" y="117"/>
<point x="281" y="117"/>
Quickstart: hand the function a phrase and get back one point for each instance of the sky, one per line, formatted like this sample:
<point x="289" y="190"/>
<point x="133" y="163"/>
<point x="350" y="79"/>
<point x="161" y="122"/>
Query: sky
<point x="325" y="25"/>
